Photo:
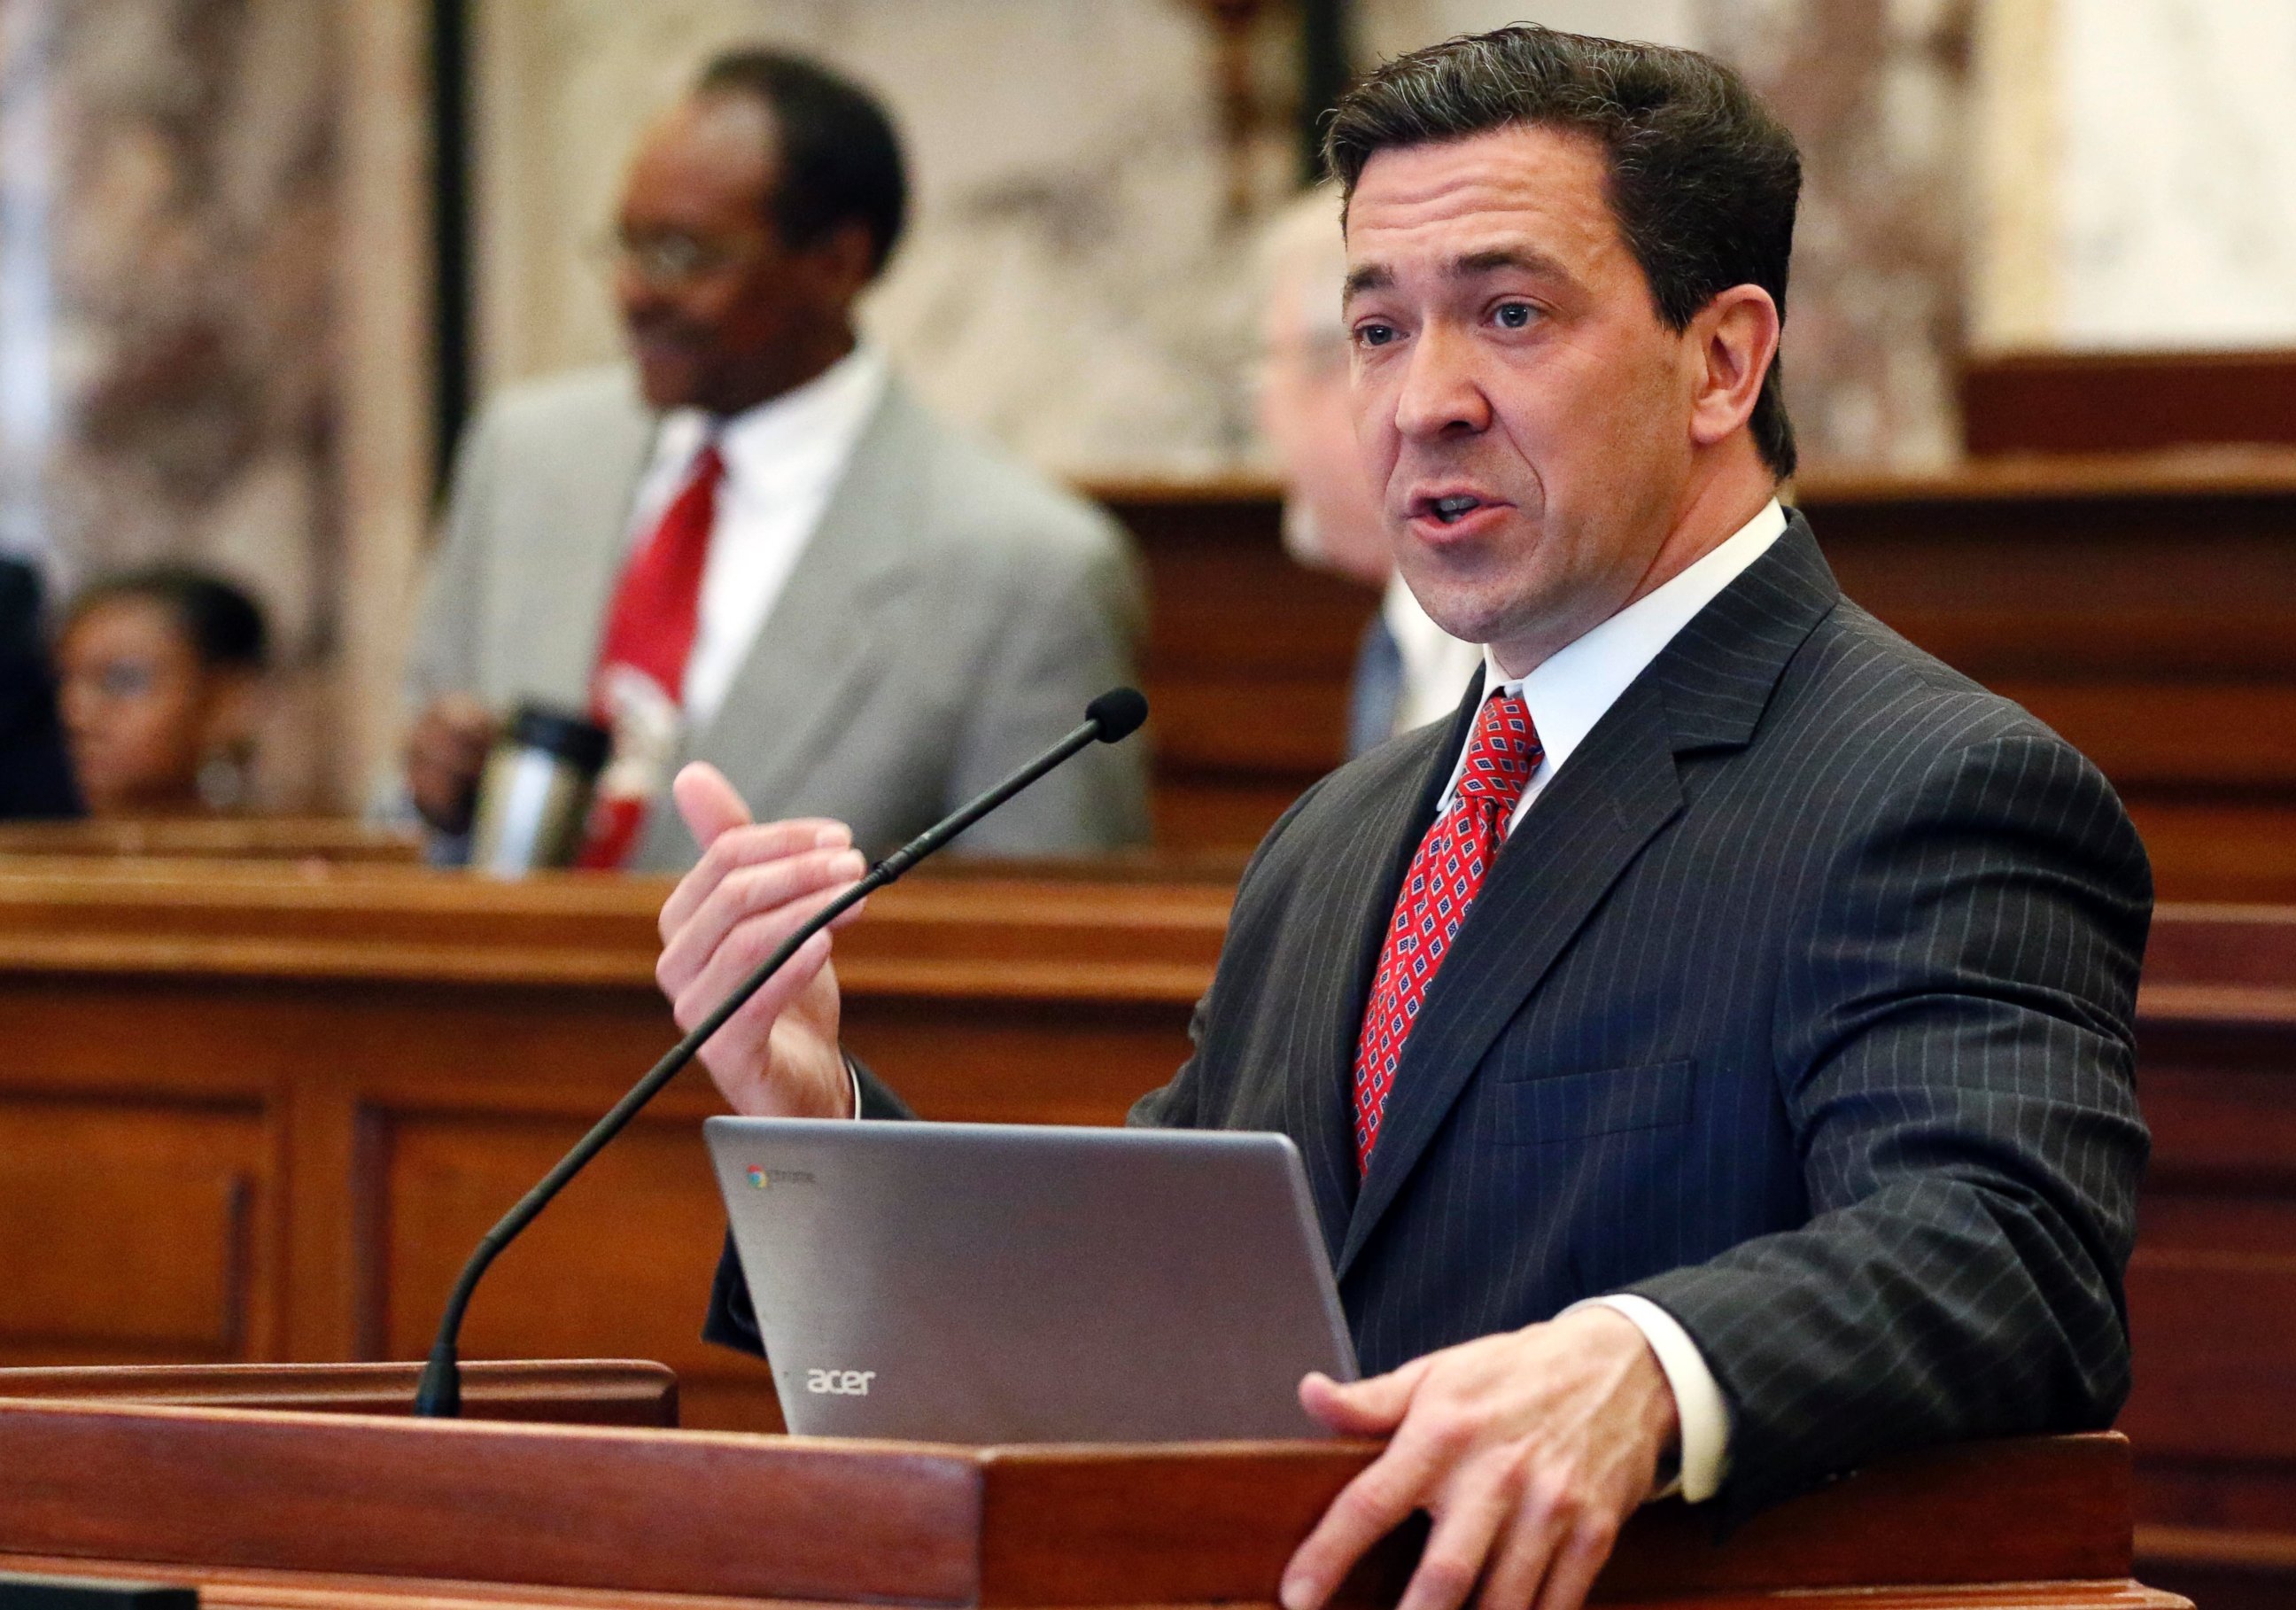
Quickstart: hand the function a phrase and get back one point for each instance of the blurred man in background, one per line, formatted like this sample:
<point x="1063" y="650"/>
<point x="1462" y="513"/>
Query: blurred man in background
<point x="749" y="545"/>
<point x="1408" y="671"/>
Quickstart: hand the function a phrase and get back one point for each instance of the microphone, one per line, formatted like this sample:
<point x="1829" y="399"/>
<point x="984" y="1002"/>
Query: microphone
<point x="1116" y="715"/>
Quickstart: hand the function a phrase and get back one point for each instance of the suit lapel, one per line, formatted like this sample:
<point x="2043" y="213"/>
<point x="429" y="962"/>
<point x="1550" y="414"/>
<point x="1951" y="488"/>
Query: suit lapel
<point x="1705" y="690"/>
<point x="822" y="641"/>
<point x="577" y="528"/>
<point x="1360" y="878"/>
<point x="1582" y="832"/>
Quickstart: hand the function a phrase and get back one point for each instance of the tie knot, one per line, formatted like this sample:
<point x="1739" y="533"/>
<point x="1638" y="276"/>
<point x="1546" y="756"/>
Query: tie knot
<point x="1503" y="753"/>
<point x="709" y="466"/>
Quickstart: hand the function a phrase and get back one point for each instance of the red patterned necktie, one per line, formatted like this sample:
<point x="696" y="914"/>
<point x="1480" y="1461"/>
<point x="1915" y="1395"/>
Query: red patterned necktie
<point x="1444" y="877"/>
<point x="639" y="688"/>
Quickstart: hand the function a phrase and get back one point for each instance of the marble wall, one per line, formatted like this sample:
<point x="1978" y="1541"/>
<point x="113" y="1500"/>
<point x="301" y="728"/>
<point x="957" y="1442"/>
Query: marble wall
<point x="2177" y="212"/>
<point x="1075" y="284"/>
<point x="214" y="315"/>
<point x="2138" y="171"/>
<point x="185" y="371"/>
<point x="175" y="227"/>
<point x="1072" y="283"/>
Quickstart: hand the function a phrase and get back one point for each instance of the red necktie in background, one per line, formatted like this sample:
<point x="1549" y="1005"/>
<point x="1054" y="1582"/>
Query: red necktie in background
<point x="1446" y="876"/>
<point x="638" y="689"/>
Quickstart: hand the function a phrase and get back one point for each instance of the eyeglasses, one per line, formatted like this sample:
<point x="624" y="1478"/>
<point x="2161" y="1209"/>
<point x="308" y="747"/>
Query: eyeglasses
<point x="672" y="260"/>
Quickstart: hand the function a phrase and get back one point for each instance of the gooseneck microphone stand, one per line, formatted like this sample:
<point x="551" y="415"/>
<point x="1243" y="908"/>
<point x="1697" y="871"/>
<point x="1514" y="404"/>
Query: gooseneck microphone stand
<point x="1115" y="715"/>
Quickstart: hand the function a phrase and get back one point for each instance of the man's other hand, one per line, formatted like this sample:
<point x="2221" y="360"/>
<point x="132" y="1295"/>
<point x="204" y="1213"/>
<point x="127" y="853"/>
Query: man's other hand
<point x="446" y="752"/>
<point x="1529" y="1450"/>
<point x="777" y="1057"/>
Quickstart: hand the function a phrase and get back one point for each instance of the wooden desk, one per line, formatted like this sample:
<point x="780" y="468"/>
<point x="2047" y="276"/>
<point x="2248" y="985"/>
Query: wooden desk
<point x="265" y="1508"/>
<point x="258" y="1112"/>
<point x="2145" y="608"/>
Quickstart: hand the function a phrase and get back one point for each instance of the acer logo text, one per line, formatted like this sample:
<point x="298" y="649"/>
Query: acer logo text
<point x="840" y="1383"/>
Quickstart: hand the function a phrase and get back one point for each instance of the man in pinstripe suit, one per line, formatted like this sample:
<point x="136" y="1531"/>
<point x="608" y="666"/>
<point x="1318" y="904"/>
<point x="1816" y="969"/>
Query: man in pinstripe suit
<point x="1711" y="1049"/>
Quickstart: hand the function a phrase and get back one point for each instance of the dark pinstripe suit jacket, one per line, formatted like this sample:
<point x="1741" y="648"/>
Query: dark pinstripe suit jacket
<point x="1799" y="1002"/>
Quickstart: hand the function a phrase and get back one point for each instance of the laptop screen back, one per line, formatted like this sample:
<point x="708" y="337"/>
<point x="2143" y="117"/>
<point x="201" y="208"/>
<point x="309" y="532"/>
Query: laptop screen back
<point x="992" y="1282"/>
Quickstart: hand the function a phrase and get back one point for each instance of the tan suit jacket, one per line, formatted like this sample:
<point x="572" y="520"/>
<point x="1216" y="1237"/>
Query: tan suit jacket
<point x="951" y="615"/>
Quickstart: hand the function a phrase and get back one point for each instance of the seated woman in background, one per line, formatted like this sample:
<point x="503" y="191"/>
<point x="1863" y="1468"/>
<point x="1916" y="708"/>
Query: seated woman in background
<point x="160" y="676"/>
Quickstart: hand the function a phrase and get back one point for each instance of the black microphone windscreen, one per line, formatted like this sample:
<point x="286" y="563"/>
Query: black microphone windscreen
<point x="1118" y="711"/>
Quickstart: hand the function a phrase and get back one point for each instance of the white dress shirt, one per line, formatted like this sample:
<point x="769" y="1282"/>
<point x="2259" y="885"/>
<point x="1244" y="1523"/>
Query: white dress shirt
<point x="782" y="460"/>
<point x="1567" y="694"/>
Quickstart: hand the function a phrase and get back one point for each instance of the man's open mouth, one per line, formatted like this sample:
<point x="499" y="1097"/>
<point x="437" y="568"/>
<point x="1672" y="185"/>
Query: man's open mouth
<point x="1453" y="509"/>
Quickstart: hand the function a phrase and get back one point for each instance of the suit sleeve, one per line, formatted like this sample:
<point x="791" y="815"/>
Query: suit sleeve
<point x="732" y="1320"/>
<point x="1259" y="909"/>
<point x="443" y="657"/>
<point x="1073" y="611"/>
<point x="1953" y="1045"/>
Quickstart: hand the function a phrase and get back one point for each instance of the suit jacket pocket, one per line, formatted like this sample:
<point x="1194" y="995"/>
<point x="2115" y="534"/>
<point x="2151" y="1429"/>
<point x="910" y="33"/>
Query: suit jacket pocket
<point x="1607" y="1101"/>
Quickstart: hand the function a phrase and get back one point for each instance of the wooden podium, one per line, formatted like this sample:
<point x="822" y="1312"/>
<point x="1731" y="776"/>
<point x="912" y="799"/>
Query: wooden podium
<point x="331" y="1505"/>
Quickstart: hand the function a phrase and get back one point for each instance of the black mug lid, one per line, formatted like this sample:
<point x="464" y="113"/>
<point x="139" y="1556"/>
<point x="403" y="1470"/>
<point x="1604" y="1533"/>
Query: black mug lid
<point x="573" y="738"/>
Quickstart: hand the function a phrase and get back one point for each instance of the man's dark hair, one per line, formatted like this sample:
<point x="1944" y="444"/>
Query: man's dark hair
<point x="223" y="626"/>
<point x="839" y="157"/>
<point x="1703" y="180"/>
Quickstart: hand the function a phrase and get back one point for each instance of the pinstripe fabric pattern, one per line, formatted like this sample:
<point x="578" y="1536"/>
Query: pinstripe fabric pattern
<point x="1439" y="888"/>
<point x="1799" y="1003"/>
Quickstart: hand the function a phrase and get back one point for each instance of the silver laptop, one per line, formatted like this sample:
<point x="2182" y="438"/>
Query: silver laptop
<point x="1021" y="1283"/>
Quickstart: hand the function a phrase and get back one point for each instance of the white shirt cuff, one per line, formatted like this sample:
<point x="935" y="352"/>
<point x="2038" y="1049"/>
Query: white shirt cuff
<point x="1698" y="1402"/>
<point x="854" y="1075"/>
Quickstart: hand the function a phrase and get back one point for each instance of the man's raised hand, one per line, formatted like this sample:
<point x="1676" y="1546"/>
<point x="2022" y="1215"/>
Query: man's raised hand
<point x="755" y="885"/>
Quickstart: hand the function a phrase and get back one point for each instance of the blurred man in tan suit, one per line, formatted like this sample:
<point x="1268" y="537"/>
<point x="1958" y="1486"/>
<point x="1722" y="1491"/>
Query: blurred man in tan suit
<point x="750" y="546"/>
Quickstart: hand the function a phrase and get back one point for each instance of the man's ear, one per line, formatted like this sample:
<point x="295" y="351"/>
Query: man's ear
<point x="844" y="259"/>
<point x="1731" y="345"/>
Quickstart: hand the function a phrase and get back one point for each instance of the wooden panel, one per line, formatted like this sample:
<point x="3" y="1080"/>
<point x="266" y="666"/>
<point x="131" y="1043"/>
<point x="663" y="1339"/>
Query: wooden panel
<point x="2142" y="607"/>
<point x="1064" y="1527"/>
<point x="2210" y="849"/>
<point x="2212" y="1288"/>
<point x="704" y="1513"/>
<point x="2222" y="1571"/>
<point x="589" y="1508"/>
<point x="2212" y="1329"/>
<point x="1247" y="660"/>
<point x="227" y="1588"/>
<point x="569" y="1391"/>
<point x="236" y="838"/>
<point x="127" y="1230"/>
<point x="619" y="1265"/>
<point x="2125" y="402"/>
<point x="424" y="1046"/>
<point x="2235" y="736"/>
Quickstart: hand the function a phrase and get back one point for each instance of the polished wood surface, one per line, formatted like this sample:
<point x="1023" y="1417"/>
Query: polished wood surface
<point x="2125" y="402"/>
<point x="2139" y="606"/>
<point x="262" y="1113"/>
<point x="236" y="838"/>
<point x="569" y="1392"/>
<point x="2042" y="1522"/>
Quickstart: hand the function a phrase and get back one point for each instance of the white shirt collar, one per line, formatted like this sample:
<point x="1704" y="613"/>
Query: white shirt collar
<point x="1576" y="686"/>
<point x="807" y="424"/>
<point x="783" y="459"/>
